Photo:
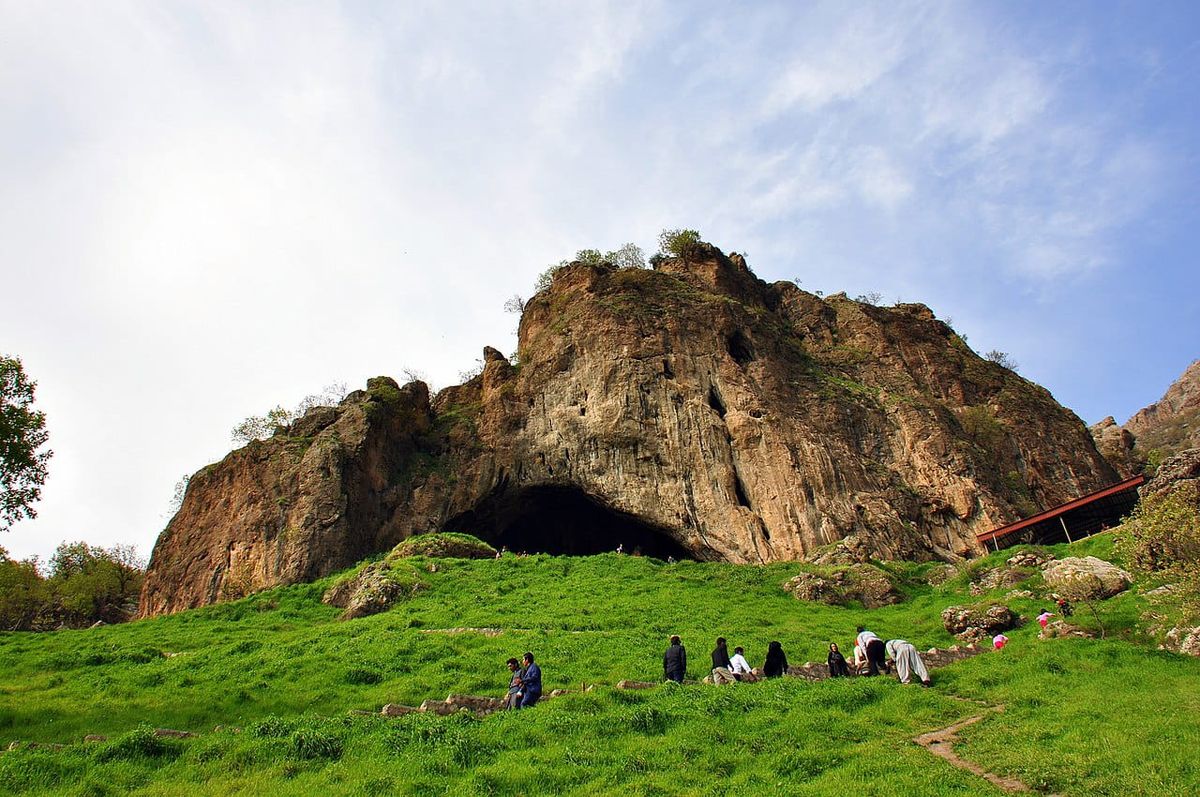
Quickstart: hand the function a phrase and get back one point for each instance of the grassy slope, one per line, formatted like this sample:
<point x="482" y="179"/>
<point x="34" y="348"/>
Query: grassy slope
<point x="1083" y="716"/>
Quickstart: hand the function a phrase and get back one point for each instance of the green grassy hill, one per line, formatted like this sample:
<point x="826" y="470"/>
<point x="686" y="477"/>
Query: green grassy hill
<point x="280" y="672"/>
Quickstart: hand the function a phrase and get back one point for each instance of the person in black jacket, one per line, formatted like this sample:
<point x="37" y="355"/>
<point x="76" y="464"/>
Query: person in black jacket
<point x="722" y="669"/>
<point x="776" y="663"/>
<point x="837" y="662"/>
<point x="675" y="661"/>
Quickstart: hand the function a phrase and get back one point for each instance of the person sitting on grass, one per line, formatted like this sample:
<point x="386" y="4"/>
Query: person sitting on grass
<point x="531" y="682"/>
<point x="675" y="661"/>
<point x="776" y="663"/>
<point x="1044" y="618"/>
<point x="873" y="648"/>
<point x="908" y="661"/>
<point x="838" y="668"/>
<point x="722" y="669"/>
<point x="741" y="667"/>
<point x="513" y="700"/>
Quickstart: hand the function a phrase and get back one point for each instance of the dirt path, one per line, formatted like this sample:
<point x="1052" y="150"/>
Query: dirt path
<point x="941" y="744"/>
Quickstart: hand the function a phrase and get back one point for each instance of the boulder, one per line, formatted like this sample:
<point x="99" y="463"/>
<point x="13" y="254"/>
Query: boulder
<point x="1184" y="640"/>
<point x="444" y="546"/>
<point x="480" y="705"/>
<point x="376" y="588"/>
<point x="866" y="584"/>
<point x="1173" y="473"/>
<point x="851" y="550"/>
<point x="626" y="684"/>
<point x="439" y="707"/>
<point x="1086" y="578"/>
<point x="1034" y="559"/>
<point x="1057" y="628"/>
<point x="997" y="578"/>
<point x="395" y="710"/>
<point x="972" y="624"/>
<point x="940" y="574"/>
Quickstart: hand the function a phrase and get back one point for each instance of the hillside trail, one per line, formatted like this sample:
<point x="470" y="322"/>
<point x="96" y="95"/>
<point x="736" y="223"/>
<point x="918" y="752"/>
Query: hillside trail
<point x="941" y="744"/>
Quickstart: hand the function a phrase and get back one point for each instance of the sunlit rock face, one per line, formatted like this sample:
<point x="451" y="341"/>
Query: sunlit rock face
<point x="690" y="410"/>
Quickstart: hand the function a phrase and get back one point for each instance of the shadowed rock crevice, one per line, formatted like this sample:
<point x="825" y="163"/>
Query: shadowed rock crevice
<point x="561" y="520"/>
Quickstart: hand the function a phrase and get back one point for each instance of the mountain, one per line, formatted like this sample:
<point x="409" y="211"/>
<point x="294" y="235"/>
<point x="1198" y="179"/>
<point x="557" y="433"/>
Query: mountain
<point x="689" y="410"/>
<point x="1171" y="424"/>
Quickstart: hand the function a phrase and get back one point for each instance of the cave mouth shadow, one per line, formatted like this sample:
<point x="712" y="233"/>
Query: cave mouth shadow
<point x="562" y="520"/>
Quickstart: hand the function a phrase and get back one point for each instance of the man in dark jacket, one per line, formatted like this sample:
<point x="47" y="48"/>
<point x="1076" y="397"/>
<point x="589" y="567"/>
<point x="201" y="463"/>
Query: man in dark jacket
<point x="531" y="682"/>
<point x="722" y="670"/>
<point x="675" y="661"/>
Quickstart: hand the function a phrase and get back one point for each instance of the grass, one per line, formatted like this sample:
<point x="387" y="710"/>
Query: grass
<point x="1082" y="717"/>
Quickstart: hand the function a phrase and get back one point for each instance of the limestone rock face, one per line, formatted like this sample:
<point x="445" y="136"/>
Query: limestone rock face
<point x="1174" y="473"/>
<point x="1172" y="423"/>
<point x="691" y="410"/>
<point x="1086" y="577"/>
<point x="1116" y="444"/>
<point x="313" y="499"/>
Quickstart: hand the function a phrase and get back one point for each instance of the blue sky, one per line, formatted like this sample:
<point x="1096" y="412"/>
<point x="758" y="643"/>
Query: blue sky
<point x="209" y="209"/>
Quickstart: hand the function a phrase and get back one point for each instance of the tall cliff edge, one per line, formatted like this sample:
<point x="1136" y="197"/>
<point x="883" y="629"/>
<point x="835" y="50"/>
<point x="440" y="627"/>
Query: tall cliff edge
<point x="690" y="410"/>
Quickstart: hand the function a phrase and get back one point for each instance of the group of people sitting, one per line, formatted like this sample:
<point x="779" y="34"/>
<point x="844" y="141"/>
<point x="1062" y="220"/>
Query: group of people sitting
<point x="525" y="683"/>
<point x="871" y="655"/>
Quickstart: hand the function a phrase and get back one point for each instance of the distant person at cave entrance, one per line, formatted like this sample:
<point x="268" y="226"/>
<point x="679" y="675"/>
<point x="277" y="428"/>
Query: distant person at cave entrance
<point x="776" y="663"/>
<point x="908" y="661"/>
<point x="513" y="700"/>
<point x="531" y="682"/>
<point x="838" y="667"/>
<point x="722" y="668"/>
<point x="675" y="661"/>
<point x="873" y="648"/>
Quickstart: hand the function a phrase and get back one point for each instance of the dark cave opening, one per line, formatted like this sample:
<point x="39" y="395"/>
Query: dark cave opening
<point x="564" y="521"/>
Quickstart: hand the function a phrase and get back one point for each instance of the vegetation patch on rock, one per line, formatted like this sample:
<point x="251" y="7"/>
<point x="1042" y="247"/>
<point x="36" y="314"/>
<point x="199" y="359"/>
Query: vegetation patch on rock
<point x="838" y="586"/>
<point x="446" y="545"/>
<point x="374" y="589"/>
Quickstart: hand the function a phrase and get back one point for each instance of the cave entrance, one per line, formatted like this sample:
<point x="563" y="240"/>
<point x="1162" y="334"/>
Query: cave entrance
<point x="562" y="520"/>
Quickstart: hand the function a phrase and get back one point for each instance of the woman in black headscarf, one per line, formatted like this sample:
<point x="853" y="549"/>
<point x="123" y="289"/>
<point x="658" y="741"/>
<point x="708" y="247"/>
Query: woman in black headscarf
<point x="776" y="664"/>
<point x="837" y="662"/>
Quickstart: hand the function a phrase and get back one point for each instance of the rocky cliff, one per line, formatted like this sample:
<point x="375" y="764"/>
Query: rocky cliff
<point x="1171" y="424"/>
<point x="691" y="410"/>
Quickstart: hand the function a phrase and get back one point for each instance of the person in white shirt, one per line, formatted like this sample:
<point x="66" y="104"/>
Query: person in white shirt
<point x="740" y="667"/>
<point x="873" y="647"/>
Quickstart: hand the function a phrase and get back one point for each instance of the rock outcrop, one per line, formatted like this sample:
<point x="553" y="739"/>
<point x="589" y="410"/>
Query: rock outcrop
<point x="1171" y="424"/>
<point x="1116" y="443"/>
<point x="691" y="410"/>
<point x="974" y="624"/>
<point x="1086" y="578"/>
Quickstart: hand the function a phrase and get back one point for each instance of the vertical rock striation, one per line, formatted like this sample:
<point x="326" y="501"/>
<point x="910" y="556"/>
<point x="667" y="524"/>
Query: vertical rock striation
<point x="689" y="410"/>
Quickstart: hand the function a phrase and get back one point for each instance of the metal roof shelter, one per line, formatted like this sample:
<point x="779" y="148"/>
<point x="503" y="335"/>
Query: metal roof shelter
<point x="1071" y="521"/>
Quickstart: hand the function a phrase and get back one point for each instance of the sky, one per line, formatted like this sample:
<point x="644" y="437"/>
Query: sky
<point x="208" y="209"/>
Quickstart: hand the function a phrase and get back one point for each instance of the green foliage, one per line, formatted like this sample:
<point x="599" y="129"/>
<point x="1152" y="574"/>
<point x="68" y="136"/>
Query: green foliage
<point x="22" y="435"/>
<point x="1002" y="359"/>
<point x="1162" y="538"/>
<point x="86" y="583"/>
<point x="141" y="742"/>
<point x="274" y="665"/>
<point x="981" y="427"/>
<point x="445" y="545"/>
<point x="260" y="427"/>
<point x="627" y="256"/>
<point x="678" y="242"/>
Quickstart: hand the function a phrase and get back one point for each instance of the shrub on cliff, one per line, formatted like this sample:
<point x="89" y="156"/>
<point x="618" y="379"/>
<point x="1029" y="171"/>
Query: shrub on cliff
<point x="1163" y="538"/>
<point x="676" y="243"/>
